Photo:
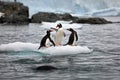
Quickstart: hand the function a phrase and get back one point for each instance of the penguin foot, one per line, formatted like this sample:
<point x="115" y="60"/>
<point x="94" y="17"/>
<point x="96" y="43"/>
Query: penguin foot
<point x="59" y="45"/>
<point x="47" y="46"/>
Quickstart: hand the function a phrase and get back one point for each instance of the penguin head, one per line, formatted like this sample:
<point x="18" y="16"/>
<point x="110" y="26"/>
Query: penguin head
<point x="48" y="31"/>
<point x="59" y="25"/>
<point x="70" y="29"/>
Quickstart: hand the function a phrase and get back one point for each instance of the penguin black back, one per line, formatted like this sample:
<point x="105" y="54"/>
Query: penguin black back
<point x="72" y="36"/>
<point x="44" y="39"/>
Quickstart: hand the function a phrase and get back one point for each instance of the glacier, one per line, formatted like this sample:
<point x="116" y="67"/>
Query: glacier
<point x="75" y="7"/>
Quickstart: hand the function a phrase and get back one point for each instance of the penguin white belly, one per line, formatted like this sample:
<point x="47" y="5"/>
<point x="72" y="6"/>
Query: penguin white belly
<point x="74" y="42"/>
<point x="47" y="42"/>
<point x="59" y="35"/>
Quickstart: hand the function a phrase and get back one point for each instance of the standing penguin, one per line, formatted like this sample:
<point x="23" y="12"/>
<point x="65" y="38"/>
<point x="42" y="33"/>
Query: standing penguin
<point x="73" y="37"/>
<point x="45" y="40"/>
<point x="59" y="34"/>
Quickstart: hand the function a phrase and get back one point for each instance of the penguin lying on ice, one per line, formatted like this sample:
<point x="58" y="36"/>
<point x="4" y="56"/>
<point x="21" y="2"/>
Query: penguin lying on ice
<point x="45" y="40"/>
<point x="72" y="38"/>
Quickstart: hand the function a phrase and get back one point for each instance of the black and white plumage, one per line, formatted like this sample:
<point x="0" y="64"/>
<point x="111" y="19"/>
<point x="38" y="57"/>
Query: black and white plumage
<point x="59" y="34"/>
<point x="73" y="37"/>
<point x="45" y="40"/>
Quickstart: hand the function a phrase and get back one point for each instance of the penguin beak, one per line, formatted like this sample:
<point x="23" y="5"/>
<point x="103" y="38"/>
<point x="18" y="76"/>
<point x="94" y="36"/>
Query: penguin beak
<point x="68" y="29"/>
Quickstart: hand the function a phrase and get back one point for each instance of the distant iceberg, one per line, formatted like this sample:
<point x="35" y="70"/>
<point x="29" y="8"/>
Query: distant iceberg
<point x="107" y="12"/>
<point x="75" y="7"/>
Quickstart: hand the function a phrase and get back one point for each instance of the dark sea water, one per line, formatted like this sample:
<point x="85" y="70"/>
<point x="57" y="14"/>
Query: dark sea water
<point x="102" y="64"/>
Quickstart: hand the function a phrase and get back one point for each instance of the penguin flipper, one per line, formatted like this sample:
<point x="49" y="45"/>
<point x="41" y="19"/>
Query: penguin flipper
<point x="51" y="41"/>
<point x="39" y="47"/>
<point x="76" y="36"/>
<point x="54" y="29"/>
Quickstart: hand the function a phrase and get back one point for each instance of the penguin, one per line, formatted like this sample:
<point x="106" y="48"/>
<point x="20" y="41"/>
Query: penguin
<point x="45" y="40"/>
<point x="72" y="38"/>
<point x="59" y="34"/>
